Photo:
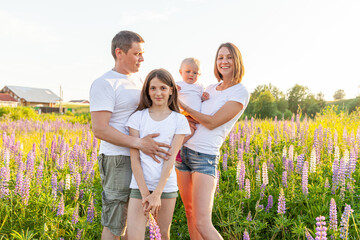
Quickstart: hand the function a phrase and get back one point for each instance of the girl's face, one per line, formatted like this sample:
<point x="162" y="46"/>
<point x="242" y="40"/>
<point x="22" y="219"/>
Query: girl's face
<point x="225" y="62"/>
<point x="159" y="92"/>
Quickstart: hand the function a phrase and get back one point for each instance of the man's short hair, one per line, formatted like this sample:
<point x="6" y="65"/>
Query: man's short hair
<point x="124" y="41"/>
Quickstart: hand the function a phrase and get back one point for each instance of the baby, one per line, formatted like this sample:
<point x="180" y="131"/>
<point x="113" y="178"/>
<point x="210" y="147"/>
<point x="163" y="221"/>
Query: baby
<point x="190" y="91"/>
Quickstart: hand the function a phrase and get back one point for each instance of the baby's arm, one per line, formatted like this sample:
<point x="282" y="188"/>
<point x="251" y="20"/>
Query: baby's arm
<point x="136" y="166"/>
<point x="205" y="96"/>
<point x="154" y="199"/>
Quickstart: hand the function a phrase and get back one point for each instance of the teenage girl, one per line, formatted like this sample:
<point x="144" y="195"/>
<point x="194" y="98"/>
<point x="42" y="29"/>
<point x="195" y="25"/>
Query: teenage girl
<point x="153" y="186"/>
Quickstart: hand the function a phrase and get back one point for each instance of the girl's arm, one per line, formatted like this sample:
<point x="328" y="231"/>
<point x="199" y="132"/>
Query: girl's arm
<point x="154" y="199"/>
<point x="136" y="166"/>
<point x="227" y="112"/>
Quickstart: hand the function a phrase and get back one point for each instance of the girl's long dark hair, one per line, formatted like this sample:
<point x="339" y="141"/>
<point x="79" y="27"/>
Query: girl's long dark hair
<point x="164" y="76"/>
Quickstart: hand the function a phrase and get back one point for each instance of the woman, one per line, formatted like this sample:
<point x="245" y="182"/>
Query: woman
<point x="200" y="154"/>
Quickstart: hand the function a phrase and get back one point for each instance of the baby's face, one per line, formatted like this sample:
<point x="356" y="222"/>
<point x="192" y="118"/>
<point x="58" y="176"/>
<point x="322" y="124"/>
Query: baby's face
<point x="189" y="73"/>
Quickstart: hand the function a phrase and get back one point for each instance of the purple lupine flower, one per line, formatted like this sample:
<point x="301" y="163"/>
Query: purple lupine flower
<point x="249" y="217"/>
<point x="247" y="143"/>
<point x="19" y="182"/>
<point x="61" y="206"/>
<point x="333" y="215"/>
<point x="43" y="141"/>
<point x="341" y="177"/>
<point x="281" y="203"/>
<point x="75" y="216"/>
<point x="25" y="193"/>
<point x="78" y="234"/>
<point x="285" y="162"/>
<point x="39" y="173"/>
<point x="308" y="235"/>
<point x="60" y="162"/>
<point x="300" y="163"/>
<point x="284" y="179"/>
<point x="269" y="138"/>
<point x="154" y="229"/>
<point x="270" y="203"/>
<point x="247" y="188"/>
<point x="95" y="143"/>
<point x="217" y="181"/>
<point x="290" y="166"/>
<point x="345" y="222"/>
<point x="30" y="163"/>
<point x="81" y="194"/>
<point x="320" y="228"/>
<point x="90" y="210"/>
<point x="77" y="180"/>
<point x="4" y="190"/>
<point x="262" y="190"/>
<point x="54" y="185"/>
<point x="224" y="163"/>
<point x="305" y="179"/>
<point x="352" y="161"/>
<point x="61" y="185"/>
<point x="246" y="235"/>
<point x="240" y="174"/>
<point x="335" y="168"/>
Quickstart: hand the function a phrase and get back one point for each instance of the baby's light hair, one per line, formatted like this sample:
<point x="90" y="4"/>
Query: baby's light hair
<point x="191" y="61"/>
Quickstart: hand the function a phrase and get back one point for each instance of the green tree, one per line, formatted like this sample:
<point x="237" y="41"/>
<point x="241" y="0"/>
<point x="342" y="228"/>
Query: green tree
<point x="339" y="94"/>
<point x="355" y="103"/>
<point x="296" y="96"/>
<point x="265" y="106"/>
<point x="277" y="94"/>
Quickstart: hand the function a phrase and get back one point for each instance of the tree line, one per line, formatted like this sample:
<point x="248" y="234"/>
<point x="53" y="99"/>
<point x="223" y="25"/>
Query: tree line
<point x="267" y="101"/>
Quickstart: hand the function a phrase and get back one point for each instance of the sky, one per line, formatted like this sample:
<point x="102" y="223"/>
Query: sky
<point x="313" y="43"/>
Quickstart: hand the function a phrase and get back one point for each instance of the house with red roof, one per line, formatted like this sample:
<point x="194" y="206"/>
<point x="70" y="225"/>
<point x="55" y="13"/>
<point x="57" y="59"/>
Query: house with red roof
<point x="7" y="100"/>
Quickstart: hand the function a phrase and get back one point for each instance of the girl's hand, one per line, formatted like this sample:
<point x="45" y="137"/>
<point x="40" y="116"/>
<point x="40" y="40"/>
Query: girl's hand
<point x="145" y="204"/>
<point x="154" y="203"/>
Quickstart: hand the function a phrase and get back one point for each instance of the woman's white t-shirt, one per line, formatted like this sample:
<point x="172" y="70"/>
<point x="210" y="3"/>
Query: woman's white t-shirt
<point x="209" y="141"/>
<point x="175" y="123"/>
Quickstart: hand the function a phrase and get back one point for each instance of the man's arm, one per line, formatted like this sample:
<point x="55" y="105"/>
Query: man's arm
<point x="102" y="130"/>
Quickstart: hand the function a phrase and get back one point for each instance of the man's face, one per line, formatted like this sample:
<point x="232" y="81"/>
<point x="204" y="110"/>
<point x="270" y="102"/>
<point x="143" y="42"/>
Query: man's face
<point x="130" y="62"/>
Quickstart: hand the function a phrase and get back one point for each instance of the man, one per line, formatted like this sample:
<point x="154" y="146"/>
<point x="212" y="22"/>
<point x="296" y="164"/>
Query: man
<point x="113" y="98"/>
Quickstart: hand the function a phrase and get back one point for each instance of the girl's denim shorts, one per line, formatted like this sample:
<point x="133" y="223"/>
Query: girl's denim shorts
<point x="193" y="161"/>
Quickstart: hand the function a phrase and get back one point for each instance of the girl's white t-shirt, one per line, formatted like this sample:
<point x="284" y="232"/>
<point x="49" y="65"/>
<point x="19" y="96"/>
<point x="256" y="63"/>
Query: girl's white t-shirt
<point x="175" y="123"/>
<point x="209" y="141"/>
<point x="191" y="94"/>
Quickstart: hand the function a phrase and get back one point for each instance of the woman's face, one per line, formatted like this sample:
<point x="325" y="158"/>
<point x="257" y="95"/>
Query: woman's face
<point x="225" y="63"/>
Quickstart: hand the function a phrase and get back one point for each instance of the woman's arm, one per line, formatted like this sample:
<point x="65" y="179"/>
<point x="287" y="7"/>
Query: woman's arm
<point x="154" y="198"/>
<point x="136" y="166"/>
<point x="227" y="112"/>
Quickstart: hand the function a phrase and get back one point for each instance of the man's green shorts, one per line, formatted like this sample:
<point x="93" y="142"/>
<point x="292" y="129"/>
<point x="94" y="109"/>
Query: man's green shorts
<point x="115" y="173"/>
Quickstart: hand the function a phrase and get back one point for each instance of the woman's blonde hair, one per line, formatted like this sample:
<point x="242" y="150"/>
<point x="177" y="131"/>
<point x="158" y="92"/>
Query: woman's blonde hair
<point x="238" y="63"/>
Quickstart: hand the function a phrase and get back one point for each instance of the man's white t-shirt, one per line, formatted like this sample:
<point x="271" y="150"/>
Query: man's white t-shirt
<point x="119" y="94"/>
<point x="191" y="94"/>
<point x="175" y="123"/>
<point x="209" y="141"/>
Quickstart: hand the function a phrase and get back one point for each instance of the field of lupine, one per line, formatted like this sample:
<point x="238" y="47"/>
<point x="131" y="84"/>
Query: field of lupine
<point x="292" y="179"/>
